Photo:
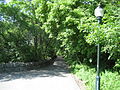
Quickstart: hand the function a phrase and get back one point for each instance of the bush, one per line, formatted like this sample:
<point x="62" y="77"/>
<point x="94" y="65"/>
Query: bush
<point x="22" y="32"/>
<point x="79" y="32"/>
<point x="109" y="80"/>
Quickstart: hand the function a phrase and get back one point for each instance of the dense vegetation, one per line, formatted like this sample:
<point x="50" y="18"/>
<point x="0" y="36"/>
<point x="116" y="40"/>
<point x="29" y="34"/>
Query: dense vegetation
<point x="22" y="34"/>
<point x="37" y="30"/>
<point x="110" y="80"/>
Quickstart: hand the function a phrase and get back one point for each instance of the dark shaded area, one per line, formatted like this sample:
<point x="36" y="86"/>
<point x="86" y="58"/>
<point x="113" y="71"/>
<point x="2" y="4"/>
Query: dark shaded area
<point x="58" y="68"/>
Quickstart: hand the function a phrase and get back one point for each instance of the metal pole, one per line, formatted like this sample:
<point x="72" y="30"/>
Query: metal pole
<point x="98" y="68"/>
<point x="98" y="61"/>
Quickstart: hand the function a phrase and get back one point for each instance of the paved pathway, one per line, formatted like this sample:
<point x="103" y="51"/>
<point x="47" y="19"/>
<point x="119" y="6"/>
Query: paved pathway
<point x="54" y="77"/>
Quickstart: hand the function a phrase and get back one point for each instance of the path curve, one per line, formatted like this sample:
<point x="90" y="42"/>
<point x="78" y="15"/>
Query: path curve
<point x="54" y="77"/>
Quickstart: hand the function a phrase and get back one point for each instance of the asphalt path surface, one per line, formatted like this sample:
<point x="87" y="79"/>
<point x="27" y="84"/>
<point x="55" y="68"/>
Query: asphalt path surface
<point x="54" y="77"/>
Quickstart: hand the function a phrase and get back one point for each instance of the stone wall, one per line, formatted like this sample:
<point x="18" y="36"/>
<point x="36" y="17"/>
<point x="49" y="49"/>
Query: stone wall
<point x="21" y="66"/>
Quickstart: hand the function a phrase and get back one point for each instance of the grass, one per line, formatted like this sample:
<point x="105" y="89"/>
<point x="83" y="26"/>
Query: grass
<point x="110" y="80"/>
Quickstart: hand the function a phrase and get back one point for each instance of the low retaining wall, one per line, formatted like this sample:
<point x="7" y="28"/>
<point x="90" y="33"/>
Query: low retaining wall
<point x="21" y="66"/>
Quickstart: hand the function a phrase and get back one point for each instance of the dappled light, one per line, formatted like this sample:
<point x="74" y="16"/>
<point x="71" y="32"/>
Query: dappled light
<point x="33" y="33"/>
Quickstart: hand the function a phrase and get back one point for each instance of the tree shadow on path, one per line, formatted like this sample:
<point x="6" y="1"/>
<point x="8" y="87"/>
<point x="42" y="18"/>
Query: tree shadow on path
<point x="58" y="68"/>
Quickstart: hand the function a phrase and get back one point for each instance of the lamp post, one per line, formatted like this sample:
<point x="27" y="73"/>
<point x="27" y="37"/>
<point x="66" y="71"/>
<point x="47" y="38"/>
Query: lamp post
<point x="99" y="12"/>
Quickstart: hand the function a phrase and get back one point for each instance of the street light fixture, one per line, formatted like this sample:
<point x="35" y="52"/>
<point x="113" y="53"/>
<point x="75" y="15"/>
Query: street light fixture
<point x="99" y="12"/>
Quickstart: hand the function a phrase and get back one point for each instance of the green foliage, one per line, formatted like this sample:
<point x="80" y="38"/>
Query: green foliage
<point x="67" y="27"/>
<point x="22" y="33"/>
<point x="78" y="32"/>
<point x="36" y="30"/>
<point x="109" y="80"/>
<point x="108" y="33"/>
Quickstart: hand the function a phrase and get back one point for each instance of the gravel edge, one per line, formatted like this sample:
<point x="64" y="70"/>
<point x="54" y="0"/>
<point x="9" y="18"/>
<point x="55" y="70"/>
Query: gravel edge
<point x="79" y="82"/>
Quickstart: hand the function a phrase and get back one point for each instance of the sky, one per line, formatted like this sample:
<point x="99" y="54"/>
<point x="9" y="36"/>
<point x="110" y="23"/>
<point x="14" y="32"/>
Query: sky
<point x="7" y="1"/>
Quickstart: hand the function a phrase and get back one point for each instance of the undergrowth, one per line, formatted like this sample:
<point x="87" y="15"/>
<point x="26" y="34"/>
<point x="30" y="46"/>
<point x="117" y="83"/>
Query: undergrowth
<point x="110" y="80"/>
